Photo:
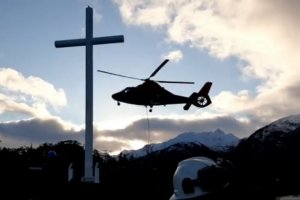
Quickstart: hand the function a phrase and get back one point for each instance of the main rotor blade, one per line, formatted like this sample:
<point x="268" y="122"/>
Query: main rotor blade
<point x="180" y="82"/>
<point x="120" y="75"/>
<point x="159" y="67"/>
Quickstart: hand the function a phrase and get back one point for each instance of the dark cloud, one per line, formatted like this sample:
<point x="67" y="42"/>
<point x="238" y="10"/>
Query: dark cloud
<point x="164" y="129"/>
<point x="111" y="146"/>
<point x="292" y="91"/>
<point x="37" y="131"/>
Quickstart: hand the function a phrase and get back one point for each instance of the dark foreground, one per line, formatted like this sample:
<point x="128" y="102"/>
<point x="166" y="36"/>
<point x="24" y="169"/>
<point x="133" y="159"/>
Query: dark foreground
<point x="33" y="174"/>
<point x="85" y="191"/>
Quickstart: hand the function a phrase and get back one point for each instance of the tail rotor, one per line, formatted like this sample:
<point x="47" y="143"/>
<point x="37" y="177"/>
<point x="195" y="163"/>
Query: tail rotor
<point x="200" y="99"/>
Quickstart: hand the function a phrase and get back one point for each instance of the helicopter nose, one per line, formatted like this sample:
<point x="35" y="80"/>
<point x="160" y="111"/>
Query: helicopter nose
<point x="115" y="96"/>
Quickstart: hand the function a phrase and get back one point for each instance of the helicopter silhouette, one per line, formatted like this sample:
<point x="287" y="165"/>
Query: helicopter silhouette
<point x="150" y="93"/>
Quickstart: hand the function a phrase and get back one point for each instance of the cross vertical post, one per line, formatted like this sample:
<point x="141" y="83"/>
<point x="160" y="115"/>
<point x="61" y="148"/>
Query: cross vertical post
<point x="88" y="42"/>
<point x="88" y="167"/>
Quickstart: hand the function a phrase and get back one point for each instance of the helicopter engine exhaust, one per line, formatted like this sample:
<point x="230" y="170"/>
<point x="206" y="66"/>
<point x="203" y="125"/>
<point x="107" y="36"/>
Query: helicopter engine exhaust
<point x="200" y="99"/>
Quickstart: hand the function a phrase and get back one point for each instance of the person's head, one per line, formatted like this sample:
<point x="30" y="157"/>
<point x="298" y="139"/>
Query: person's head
<point x="197" y="177"/>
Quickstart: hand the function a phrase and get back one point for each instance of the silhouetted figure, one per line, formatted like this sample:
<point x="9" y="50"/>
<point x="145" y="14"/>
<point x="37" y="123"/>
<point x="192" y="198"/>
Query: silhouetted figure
<point x="51" y="168"/>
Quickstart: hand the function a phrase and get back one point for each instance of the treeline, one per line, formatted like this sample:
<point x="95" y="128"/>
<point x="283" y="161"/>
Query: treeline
<point x="42" y="172"/>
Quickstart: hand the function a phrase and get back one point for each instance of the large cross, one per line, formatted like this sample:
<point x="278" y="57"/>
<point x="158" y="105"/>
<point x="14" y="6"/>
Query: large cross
<point x="88" y="42"/>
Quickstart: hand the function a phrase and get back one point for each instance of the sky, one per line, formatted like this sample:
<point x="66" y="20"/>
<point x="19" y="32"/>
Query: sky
<point x="247" y="48"/>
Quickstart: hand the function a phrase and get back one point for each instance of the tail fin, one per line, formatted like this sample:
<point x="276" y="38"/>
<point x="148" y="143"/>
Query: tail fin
<point x="200" y="99"/>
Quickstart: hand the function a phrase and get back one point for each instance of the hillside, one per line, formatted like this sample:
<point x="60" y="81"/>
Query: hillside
<point x="268" y="158"/>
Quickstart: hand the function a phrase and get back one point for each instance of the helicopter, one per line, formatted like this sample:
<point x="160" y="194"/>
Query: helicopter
<point x="150" y="93"/>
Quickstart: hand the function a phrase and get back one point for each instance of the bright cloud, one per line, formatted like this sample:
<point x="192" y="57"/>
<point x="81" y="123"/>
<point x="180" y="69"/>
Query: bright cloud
<point x="28" y="95"/>
<point x="262" y="34"/>
<point x="153" y="13"/>
<point x="175" y="56"/>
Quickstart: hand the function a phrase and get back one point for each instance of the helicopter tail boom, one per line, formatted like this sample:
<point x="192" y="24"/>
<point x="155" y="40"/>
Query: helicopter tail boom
<point x="200" y="99"/>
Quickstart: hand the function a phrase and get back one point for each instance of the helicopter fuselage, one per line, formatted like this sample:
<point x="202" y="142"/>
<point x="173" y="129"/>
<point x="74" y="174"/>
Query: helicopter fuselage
<point x="150" y="94"/>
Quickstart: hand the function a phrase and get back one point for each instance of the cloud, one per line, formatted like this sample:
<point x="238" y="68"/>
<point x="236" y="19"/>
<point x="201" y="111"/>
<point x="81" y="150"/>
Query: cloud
<point x="52" y="130"/>
<point x="268" y="105"/>
<point x="261" y="34"/>
<point x="28" y="95"/>
<point x="163" y="129"/>
<point x="37" y="131"/>
<point x="153" y="13"/>
<point x="175" y="55"/>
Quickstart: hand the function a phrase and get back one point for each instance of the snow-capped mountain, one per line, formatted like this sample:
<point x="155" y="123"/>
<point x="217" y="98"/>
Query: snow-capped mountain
<point x="216" y="140"/>
<point x="284" y="125"/>
<point x="278" y="141"/>
<point x="270" y="155"/>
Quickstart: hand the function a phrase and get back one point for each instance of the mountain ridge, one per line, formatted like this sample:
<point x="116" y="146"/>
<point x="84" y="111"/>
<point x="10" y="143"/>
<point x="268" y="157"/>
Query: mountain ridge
<point x="216" y="140"/>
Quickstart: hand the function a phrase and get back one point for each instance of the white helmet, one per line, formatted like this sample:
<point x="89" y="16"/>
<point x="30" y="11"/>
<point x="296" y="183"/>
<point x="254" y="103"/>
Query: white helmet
<point x="197" y="176"/>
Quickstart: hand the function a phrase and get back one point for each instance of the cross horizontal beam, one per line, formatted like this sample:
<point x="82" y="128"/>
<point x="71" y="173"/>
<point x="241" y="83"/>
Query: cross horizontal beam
<point x="82" y="42"/>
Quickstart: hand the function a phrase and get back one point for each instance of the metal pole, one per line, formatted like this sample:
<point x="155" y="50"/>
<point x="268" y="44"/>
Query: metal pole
<point x="88" y="164"/>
